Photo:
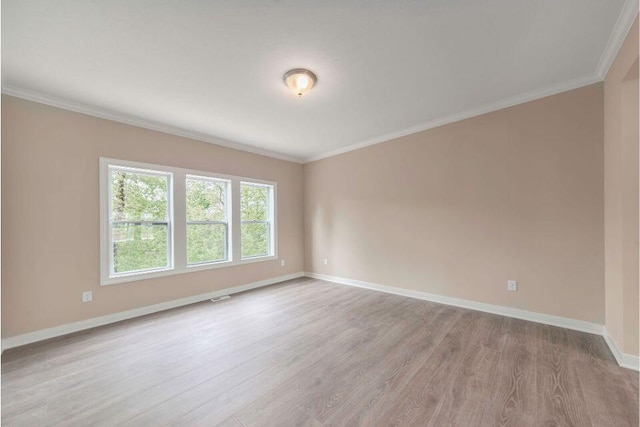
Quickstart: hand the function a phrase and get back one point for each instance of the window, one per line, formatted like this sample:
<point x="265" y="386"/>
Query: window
<point x="207" y="220"/>
<point x="159" y="220"/>
<point x="256" y="223"/>
<point x="140" y="227"/>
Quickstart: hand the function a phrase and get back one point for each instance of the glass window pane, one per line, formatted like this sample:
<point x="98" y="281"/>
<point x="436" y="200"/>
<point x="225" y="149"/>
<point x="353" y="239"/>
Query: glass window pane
<point x="138" y="196"/>
<point x="206" y="243"/>
<point x="206" y="200"/>
<point x="255" y="239"/>
<point x="254" y="202"/>
<point x="139" y="247"/>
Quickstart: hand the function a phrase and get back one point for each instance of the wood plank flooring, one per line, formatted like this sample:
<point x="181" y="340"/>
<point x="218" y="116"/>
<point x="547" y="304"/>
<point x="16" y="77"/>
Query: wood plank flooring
<point x="312" y="353"/>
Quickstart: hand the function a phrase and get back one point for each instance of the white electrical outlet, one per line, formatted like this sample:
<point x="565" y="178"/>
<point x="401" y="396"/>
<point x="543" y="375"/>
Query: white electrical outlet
<point x="281" y="263"/>
<point x="87" y="296"/>
<point x="326" y="261"/>
<point x="512" y="285"/>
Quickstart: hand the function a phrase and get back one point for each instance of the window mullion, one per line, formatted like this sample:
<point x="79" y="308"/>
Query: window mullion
<point x="206" y="222"/>
<point x="273" y="238"/>
<point x="140" y="222"/>
<point x="109" y="249"/>
<point x="179" y="221"/>
<point x="176" y="224"/>
<point x="235" y="237"/>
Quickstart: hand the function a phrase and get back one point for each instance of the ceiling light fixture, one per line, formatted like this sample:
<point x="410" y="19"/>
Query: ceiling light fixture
<point x="299" y="80"/>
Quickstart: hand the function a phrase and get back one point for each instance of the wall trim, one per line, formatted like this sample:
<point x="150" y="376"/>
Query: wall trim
<point x="618" y="35"/>
<point x="467" y="114"/>
<point x="172" y="130"/>
<point x="44" y="334"/>
<point x="547" y="319"/>
<point x="104" y="113"/>
<point x="147" y="124"/>
<point x="625" y="360"/>
<point x="621" y="29"/>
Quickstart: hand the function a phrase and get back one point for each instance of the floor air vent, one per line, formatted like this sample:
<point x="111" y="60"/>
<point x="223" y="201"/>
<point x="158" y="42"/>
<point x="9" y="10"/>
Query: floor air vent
<point x="220" y="298"/>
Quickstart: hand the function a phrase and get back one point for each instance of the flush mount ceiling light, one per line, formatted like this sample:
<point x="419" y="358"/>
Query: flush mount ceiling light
<point x="299" y="80"/>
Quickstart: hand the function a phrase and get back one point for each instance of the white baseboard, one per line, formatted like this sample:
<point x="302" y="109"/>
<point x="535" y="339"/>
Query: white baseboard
<point x="57" y="331"/>
<point x="547" y="319"/>
<point x="625" y="360"/>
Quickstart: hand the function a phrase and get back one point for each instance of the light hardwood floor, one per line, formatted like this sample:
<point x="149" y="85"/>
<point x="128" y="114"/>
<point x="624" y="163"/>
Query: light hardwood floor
<point x="312" y="353"/>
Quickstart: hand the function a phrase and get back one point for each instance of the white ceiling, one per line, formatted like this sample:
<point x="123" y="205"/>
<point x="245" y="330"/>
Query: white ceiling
<point x="213" y="69"/>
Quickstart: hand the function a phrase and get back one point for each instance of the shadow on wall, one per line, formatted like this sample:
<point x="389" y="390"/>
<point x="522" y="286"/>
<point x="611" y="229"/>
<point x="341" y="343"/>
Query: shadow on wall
<point x="630" y="210"/>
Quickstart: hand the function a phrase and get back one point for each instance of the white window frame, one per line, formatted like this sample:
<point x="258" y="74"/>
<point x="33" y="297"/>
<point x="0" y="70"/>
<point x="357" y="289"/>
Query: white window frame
<point x="178" y="221"/>
<point x="228" y="214"/>
<point x="168" y="222"/>
<point x="270" y="220"/>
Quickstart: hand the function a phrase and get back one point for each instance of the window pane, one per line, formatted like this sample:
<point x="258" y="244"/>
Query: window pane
<point x="139" y="247"/>
<point x="206" y="200"/>
<point x="255" y="239"/>
<point x="206" y="243"/>
<point x="254" y="202"/>
<point x="138" y="196"/>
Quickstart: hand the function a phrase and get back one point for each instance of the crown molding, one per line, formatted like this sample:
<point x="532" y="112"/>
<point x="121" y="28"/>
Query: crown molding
<point x="487" y="108"/>
<point x="619" y="33"/>
<point x="137" y="121"/>
<point x="620" y="30"/>
<point x="147" y="124"/>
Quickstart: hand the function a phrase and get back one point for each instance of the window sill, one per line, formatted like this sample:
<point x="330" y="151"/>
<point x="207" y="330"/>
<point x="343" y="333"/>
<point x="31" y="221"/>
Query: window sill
<point x="137" y="276"/>
<point x="134" y="277"/>
<point x="257" y="259"/>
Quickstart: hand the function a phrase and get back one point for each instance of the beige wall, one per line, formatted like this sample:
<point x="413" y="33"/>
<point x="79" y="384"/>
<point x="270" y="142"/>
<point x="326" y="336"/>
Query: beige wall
<point x="621" y="196"/>
<point x="457" y="210"/>
<point x="460" y="209"/>
<point x="50" y="214"/>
